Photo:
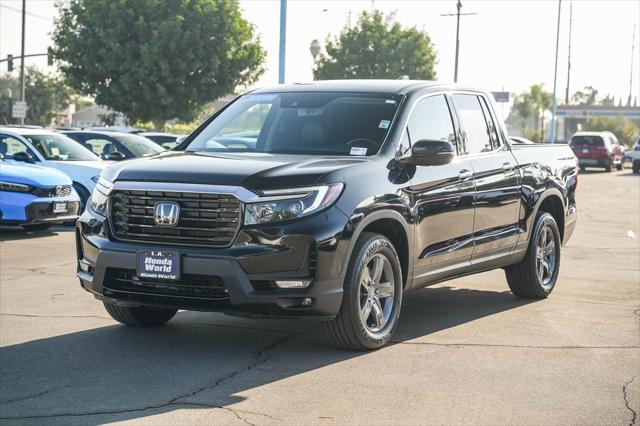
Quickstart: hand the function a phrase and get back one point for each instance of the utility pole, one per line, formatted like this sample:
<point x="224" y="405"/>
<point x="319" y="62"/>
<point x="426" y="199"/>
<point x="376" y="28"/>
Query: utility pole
<point x="24" y="7"/>
<point x="283" y="40"/>
<point x="633" y="48"/>
<point x="552" y="136"/>
<point x="566" y="94"/>
<point x="457" y="15"/>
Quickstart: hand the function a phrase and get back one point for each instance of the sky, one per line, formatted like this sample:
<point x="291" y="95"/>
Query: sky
<point x="508" y="45"/>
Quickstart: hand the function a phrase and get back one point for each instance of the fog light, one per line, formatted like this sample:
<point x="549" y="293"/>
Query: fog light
<point x="85" y="266"/>
<point x="292" y="283"/>
<point x="307" y="301"/>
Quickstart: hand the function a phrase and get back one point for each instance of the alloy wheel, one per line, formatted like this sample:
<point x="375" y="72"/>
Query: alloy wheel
<point x="376" y="293"/>
<point x="546" y="256"/>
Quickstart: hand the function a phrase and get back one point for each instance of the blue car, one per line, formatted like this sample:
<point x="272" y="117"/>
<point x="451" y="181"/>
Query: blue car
<point x="35" y="197"/>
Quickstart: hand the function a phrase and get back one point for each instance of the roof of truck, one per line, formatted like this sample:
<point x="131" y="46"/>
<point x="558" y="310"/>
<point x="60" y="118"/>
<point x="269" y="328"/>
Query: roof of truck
<point x="399" y="87"/>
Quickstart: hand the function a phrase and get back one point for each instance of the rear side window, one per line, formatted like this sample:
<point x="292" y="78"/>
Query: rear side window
<point x="431" y="120"/>
<point x="474" y="123"/>
<point x="587" y="141"/>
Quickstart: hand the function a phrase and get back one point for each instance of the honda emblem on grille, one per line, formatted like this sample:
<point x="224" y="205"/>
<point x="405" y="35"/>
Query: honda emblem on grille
<point x="166" y="213"/>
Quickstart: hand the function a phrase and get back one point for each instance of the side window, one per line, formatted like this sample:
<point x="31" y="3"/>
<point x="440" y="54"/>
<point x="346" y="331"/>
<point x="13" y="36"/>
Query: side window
<point x="10" y="145"/>
<point x="474" y="123"/>
<point x="431" y="119"/>
<point x="100" y="147"/>
<point x="493" y="129"/>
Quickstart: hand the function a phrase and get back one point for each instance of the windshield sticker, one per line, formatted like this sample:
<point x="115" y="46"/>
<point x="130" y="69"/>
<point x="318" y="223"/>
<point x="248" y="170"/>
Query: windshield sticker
<point x="308" y="112"/>
<point x="390" y="101"/>
<point x="356" y="150"/>
<point x="266" y="97"/>
<point x="384" y="124"/>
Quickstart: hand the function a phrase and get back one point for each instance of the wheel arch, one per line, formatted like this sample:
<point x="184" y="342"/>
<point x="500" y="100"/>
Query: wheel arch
<point x="393" y="226"/>
<point x="552" y="202"/>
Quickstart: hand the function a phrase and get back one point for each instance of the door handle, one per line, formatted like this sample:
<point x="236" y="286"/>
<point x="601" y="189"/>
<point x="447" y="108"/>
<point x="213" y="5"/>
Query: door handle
<point x="507" y="167"/>
<point x="465" y="174"/>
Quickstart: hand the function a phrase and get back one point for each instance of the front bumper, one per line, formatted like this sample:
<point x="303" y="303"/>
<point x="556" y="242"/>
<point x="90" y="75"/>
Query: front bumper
<point x="235" y="280"/>
<point x="24" y="208"/>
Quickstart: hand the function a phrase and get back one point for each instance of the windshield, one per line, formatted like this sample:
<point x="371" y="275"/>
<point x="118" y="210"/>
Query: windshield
<point x="138" y="145"/>
<point x="60" y="148"/>
<point x="301" y="123"/>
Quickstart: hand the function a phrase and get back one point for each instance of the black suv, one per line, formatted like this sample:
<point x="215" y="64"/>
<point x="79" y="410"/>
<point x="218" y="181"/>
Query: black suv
<point x="328" y="200"/>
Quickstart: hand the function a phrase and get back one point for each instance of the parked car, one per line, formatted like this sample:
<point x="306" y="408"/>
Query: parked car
<point x="596" y="149"/>
<point x="521" y="140"/>
<point x="46" y="148"/>
<point x="117" y="129"/>
<point x="35" y="197"/>
<point x="165" y="140"/>
<point x="351" y="194"/>
<point x="114" y="146"/>
<point x="635" y="157"/>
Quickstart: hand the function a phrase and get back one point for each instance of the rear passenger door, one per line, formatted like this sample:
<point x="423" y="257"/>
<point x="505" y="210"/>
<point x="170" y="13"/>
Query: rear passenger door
<point x="496" y="178"/>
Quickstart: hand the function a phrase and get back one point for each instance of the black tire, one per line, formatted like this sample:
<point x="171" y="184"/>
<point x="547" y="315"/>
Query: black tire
<point x="37" y="227"/>
<point x="619" y="166"/>
<point x="608" y="167"/>
<point x="523" y="278"/>
<point x="636" y="167"/>
<point x="139" y="316"/>
<point x="348" y="329"/>
<point x="583" y="168"/>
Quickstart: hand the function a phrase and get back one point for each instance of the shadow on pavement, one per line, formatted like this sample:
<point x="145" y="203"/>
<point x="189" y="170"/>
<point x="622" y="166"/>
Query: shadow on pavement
<point x="11" y="233"/>
<point x="197" y="360"/>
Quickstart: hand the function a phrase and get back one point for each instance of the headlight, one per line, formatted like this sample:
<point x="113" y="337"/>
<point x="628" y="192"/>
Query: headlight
<point x="286" y="204"/>
<point x="100" y="197"/>
<point x="14" y="187"/>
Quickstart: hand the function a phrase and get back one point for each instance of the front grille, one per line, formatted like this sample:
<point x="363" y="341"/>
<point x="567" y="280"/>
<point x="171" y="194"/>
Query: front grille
<point x="205" y="218"/>
<point x="44" y="211"/>
<point x="200" y="292"/>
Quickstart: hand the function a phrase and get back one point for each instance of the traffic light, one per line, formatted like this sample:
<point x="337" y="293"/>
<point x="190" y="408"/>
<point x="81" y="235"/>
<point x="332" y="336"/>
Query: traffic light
<point x="9" y="63"/>
<point x="49" y="56"/>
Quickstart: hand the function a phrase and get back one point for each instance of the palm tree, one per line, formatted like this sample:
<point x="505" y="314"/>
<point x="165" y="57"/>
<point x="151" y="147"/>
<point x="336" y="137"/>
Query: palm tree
<point x="542" y="102"/>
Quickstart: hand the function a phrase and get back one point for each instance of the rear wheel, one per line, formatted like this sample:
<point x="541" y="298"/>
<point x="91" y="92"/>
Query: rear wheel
<point x="583" y="168"/>
<point x="608" y="166"/>
<point x="619" y="166"/>
<point x="535" y="276"/>
<point x="372" y="296"/>
<point x="139" y="316"/>
<point x="636" y="167"/>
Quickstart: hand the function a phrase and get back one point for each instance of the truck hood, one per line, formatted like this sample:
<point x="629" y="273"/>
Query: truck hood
<point x="254" y="170"/>
<point x="32" y="175"/>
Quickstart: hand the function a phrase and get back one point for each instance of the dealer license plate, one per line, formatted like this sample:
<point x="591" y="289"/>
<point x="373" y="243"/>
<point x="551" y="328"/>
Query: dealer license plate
<point x="158" y="265"/>
<point x="59" y="207"/>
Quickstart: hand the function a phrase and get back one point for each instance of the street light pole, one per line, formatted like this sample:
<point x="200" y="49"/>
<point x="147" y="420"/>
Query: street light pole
<point x="283" y="40"/>
<point x="552" y="136"/>
<point x="24" y="7"/>
<point x="457" y="15"/>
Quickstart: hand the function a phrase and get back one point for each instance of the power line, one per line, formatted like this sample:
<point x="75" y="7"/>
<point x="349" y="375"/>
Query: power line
<point x="457" y="15"/>
<point x="26" y="13"/>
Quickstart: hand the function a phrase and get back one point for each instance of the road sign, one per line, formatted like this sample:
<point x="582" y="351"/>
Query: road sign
<point x="19" y="109"/>
<point x="501" y="96"/>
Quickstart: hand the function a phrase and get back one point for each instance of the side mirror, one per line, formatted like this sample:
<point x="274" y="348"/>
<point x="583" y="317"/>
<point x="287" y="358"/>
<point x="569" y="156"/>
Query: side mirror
<point x="115" y="156"/>
<point x="23" y="156"/>
<point x="432" y="153"/>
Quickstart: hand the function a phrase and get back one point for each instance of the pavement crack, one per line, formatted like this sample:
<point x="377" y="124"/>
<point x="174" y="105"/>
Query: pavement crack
<point x="625" y="396"/>
<point x="23" y="398"/>
<point x="52" y="316"/>
<point x="489" y="345"/>
<point x="260" y="358"/>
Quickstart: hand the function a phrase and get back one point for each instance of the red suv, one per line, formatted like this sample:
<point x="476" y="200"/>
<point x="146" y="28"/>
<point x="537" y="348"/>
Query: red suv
<point x="596" y="149"/>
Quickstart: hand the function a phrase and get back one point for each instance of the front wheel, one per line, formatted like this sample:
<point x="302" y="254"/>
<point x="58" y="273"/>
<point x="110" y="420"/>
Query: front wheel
<point x="139" y="316"/>
<point x="372" y="296"/>
<point x="535" y="276"/>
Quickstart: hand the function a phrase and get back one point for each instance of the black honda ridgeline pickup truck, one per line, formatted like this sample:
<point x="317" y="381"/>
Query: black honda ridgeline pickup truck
<point x="329" y="200"/>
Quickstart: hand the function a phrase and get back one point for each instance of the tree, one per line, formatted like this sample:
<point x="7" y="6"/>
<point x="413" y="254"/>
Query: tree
<point x="587" y="96"/>
<point x="155" y="60"/>
<point x="46" y="96"/>
<point x="542" y="101"/>
<point x="377" y="47"/>
<point x="523" y="107"/>
<point x="626" y="132"/>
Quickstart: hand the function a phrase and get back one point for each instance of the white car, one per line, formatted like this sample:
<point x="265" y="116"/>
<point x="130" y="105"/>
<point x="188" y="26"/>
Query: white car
<point x="47" y="148"/>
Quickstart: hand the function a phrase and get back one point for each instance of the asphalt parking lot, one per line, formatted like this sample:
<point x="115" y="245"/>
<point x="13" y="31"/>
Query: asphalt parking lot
<point x="465" y="352"/>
